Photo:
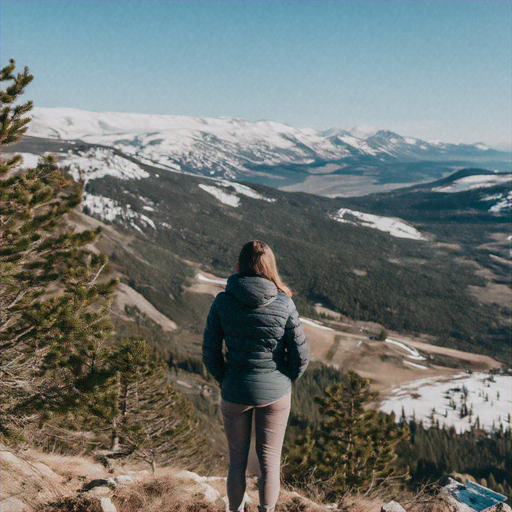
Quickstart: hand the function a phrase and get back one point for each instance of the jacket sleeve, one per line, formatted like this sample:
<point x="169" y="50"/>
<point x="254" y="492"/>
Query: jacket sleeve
<point x="213" y="357"/>
<point x="296" y="344"/>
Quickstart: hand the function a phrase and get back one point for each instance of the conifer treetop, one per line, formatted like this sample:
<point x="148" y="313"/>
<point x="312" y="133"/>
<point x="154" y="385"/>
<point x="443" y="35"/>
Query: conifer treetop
<point x="13" y="124"/>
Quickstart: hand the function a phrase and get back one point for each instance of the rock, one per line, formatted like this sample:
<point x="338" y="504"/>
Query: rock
<point x="455" y="505"/>
<point x="189" y="474"/>
<point x="46" y="471"/>
<point x="107" y="505"/>
<point x="28" y="468"/>
<point x="124" y="479"/>
<point x="100" y="492"/>
<point x="499" y="507"/>
<point x="13" y="505"/>
<point x="210" y="494"/>
<point x="247" y="499"/>
<point x="8" y="456"/>
<point x="392" y="506"/>
<point x="215" y="478"/>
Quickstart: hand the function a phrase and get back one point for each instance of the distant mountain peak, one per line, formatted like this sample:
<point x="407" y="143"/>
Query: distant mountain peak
<point x="231" y="147"/>
<point x="363" y="131"/>
<point x="387" y="134"/>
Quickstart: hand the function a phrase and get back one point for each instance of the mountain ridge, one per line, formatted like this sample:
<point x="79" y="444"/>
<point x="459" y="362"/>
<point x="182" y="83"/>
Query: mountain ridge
<point x="263" y="151"/>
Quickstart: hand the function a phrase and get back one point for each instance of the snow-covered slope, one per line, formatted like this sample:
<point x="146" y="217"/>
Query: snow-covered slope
<point x="462" y="401"/>
<point x="473" y="182"/>
<point x="497" y="201"/>
<point x="232" y="147"/>
<point x="502" y="202"/>
<point x="98" y="162"/>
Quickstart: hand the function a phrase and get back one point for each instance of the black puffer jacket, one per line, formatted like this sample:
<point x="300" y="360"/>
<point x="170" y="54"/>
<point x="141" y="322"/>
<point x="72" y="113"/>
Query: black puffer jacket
<point x="265" y="345"/>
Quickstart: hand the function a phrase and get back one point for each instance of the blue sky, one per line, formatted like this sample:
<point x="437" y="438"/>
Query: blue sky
<point x="434" y="69"/>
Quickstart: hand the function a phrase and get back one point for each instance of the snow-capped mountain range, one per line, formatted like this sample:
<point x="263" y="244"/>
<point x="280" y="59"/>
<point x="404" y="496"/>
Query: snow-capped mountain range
<point x="233" y="148"/>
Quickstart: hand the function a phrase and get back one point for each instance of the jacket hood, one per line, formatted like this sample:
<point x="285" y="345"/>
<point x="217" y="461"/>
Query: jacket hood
<point x="252" y="290"/>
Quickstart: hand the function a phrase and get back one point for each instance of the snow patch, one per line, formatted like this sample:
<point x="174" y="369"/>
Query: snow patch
<point x="455" y="401"/>
<point x="223" y="197"/>
<point x="29" y="160"/>
<point x="209" y="280"/>
<point x="414" y="354"/>
<point x="246" y="191"/>
<point x="147" y="220"/>
<point x="394" y="227"/>
<point x="106" y="208"/>
<point x="473" y="182"/>
<point x="504" y="204"/>
<point x="363" y="131"/>
<point x="99" y="162"/>
<point x="110" y="210"/>
<point x="315" y="324"/>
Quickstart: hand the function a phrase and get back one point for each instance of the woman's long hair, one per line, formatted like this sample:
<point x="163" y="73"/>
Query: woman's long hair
<point x="256" y="258"/>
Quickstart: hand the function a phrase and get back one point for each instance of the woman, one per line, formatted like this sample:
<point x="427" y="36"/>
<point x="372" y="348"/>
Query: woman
<point x="266" y="351"/>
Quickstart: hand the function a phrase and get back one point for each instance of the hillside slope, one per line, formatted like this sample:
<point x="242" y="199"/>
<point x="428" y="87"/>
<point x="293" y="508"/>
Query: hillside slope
<point x="428" y="272"/>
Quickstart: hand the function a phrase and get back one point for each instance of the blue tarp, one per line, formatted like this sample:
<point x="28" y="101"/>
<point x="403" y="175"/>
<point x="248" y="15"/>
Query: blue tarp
<point x="478" y="497"/>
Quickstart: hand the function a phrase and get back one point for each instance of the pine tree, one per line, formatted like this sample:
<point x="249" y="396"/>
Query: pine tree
<point x="144" y="415"/>
<point x="59" y="365"/>
<point x="383" y="334"/>
<point x="403" y="419"/>
<point x="55" y="302"/>
<point x="354" y="448"/>
<point x="491" y="482"/>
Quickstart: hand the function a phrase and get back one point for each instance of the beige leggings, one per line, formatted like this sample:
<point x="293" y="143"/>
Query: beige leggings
<point x="270" y="422"/>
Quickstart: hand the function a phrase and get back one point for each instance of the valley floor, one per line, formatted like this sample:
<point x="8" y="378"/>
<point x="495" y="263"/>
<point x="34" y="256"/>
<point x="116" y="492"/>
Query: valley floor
<point x="407" y="371"/>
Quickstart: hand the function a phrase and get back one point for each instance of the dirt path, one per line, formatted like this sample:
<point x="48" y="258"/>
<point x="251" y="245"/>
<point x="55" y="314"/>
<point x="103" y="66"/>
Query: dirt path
<point x="126" y="296"/>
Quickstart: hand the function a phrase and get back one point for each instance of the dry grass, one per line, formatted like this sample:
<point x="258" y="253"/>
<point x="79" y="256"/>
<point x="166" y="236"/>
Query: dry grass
<point x="25" y="481"/>
<point x="49" y="482"/>
<point x="163" y="494"/>
<point x="69" y="466"/>
<point x="293" y="502"/>
<point x="72" y="504"/>
<point x="430" y="502"/>
<point x="166" y="492"/>
<point x="307" y="497"/>
<point x="361" y="503"/>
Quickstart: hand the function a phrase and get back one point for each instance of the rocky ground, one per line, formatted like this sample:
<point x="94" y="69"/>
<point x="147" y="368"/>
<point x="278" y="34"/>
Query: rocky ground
<point x="32" y="481"/>
<point x="38" y="482"/>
